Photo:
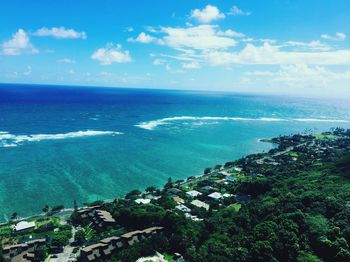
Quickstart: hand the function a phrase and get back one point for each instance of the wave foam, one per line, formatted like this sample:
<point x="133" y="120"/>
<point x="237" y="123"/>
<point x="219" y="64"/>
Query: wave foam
<point x="150" y="125"/>
<point x="11" y="140"/>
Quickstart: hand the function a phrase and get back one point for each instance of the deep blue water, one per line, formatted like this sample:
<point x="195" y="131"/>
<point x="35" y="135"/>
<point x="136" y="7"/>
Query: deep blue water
<point x="60" y="144"/>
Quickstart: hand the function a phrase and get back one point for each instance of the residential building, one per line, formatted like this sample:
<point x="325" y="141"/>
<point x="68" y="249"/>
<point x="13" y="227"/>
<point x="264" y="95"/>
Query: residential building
<point x="200" y="204"/>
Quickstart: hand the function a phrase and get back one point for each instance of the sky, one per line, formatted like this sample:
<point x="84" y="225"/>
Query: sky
<point x="273" y="47"/>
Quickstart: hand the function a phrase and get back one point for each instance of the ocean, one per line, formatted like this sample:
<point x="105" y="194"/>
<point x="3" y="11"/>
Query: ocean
<point x="59" y="144"/>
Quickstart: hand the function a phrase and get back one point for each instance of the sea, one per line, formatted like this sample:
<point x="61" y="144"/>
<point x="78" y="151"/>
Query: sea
<point x="60" y="143"/>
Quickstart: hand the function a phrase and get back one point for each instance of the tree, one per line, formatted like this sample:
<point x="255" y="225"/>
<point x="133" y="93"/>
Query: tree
<point x="133" y="194"/>
<point x="151" y="189"/>
<point x="207" y="170"/>
<point x="46" y="209"/>
<point x="80" y="236"/>
<point x="14" y="215"/>
<point x="57" y="208"/>
<point x="61" y="238"/>
<point x="169" y="184"/>
<point x="75" y="205"/>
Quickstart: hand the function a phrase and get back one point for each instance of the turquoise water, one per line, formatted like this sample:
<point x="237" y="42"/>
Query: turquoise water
<point x="60" y="144"/>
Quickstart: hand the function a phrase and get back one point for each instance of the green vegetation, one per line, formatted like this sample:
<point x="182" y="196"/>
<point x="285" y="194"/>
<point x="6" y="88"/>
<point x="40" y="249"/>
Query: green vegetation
<point x="235" y="207"/>
<point x="290" y="204"/>
<point x="325" y="136"/>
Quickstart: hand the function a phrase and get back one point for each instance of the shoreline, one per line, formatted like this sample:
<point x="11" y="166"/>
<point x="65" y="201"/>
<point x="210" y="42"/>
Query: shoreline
<point x="71" y="209"/>
<point x="185" y="180"/>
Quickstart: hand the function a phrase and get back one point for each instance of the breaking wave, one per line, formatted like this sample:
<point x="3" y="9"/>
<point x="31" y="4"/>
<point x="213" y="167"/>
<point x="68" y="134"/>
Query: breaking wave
<point x="150" y="125"/>
<point x="10" y="140"/>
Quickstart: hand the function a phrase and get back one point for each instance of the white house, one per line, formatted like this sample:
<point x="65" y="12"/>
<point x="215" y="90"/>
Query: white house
<point x="193" y="193"/>
<point x="143" y="201"/>
<point x="199" y="203"/>
<point x="216" y="195"/>
<point x="24" y="226"/>
<point x="183" y="208"/>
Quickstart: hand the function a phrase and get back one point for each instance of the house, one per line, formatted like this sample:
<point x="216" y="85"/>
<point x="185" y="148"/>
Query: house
<point x="224" y="173"/>
<point x="200" y="204"/>
<point x="183" y="208"/>
<point x="192" y="217"/>
<point x="23" y="226"/>
<point x="156" y="258"/>
<point x="237" y="169"/>
<point x="143" y="201"/>
<point x="178" y="200"/>
<point x="216" y="195"/>
<point x="22" y="252"/>
<point x="230" y="178"/>
<point x="193" y="193"/>
<point x="103" y="219"/>
<point x="92" y="252"/>
<point x="174" y="191"/>
<point x="100" y="218"/>
<point x="86" y="212"/>
<point x="102" y="250"/>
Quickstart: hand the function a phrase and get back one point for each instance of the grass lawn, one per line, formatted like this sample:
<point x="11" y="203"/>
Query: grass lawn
<point x="293" y="154"/>
<point x="168" y="257"/>
<point x="89" y="232"/>
<point x="53" y="220"/>
<point x="322" y="136"/>
<point x="235" y="206"/>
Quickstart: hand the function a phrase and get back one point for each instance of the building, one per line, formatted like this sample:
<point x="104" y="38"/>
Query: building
<point x="88" y="211"/>
<point x="193" y="193"/>
<point x="102" y="250"/>
<point x="103" y="219"/>
<point x="100" y="218"/>
<point x="143" y="201"/>
<point x="183" y="208"/>
<point x="200" y="204"/>
<point x="178" y="200"/>
<point x="24" y="251"/>
<point x="216" y="196"/>
<point x="24" y="226"/>
<point x="174" y="191"/>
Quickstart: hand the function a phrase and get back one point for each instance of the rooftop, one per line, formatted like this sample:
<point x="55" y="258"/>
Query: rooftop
<point x="23" y="225"/>
<point x="199" y="203"/>
<point x="193" y="193"/>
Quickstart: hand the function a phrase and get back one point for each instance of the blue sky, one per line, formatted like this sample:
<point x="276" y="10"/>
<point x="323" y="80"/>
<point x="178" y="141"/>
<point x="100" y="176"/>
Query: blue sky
<point x="290" y="47"/>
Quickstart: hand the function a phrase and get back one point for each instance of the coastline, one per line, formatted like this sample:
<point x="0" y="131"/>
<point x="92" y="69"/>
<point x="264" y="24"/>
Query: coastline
<point x="221" y="192"/>
<point x="71" y="208"/>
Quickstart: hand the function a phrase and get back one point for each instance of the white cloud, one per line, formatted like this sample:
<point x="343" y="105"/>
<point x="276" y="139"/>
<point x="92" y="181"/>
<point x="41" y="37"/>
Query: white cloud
<point x="259" y="73"/>
<point x="18" y="44"/>
<point x="272" y="55"/>
<point x="198" y="37"/>
<point x="129" y="29"/>
<point x="300" y="76"/>
<point x="230" y="33"/>
<point x="235" y="11"/>
<point x="28" y="71"/>
<point x="60" y="33"/>
<point x="143" y="38"/>
<point x="207" y="14"/>
<point x="191" y="65"/>
<point x="111" y="54"/>
<point x="66" y="61"/>
<point x="159" y="61"/>
<point x="313" y="45"/>
<point x="337" y="37"/>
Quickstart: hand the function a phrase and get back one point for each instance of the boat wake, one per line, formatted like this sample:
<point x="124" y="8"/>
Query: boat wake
<point x="10" y="140"/>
